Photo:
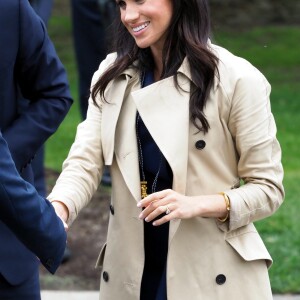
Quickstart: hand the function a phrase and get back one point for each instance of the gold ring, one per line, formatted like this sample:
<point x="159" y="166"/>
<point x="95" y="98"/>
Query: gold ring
<point x="167" y="210"/>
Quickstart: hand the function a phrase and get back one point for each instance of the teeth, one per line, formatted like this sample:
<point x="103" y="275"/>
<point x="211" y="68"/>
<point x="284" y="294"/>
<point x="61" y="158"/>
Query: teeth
<point x="139" y="28"/>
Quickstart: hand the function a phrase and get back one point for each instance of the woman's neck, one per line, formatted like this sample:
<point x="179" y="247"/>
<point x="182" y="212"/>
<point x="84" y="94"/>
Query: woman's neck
<point x="157" y="74"/>
<point x="158" y="64"/>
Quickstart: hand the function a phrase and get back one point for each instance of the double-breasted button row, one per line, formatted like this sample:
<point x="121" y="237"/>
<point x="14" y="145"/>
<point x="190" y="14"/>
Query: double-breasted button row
<point x="200" y="145"/>
<point x="220" y="279"/>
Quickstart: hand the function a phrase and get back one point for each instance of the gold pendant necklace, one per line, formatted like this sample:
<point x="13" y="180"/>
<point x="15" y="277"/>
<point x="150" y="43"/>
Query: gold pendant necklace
<point x="143" y="189"/>
<point x="144" y="183"/>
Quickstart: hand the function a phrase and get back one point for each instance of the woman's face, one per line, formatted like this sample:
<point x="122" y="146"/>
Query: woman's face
<point x="147" y="21"/>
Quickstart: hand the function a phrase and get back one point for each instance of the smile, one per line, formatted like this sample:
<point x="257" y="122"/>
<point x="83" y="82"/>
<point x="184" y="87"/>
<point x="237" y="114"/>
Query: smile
<point x="141" y="27"/>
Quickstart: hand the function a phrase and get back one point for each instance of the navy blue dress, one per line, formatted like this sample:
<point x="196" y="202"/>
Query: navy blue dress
<point x="157" y="172"/>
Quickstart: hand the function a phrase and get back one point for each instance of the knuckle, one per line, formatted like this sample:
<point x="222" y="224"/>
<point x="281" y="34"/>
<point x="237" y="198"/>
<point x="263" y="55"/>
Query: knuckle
<point x="153" y="202"/>
<point x="161" y="209"/>
<point x="179" y="214"/>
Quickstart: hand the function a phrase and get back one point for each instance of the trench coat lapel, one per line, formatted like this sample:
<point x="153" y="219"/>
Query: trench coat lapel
<point x="110" y="116"/>
<point x="126" y="144"/>
<point x="165" y="112"/>
<point x="118" y="129"/>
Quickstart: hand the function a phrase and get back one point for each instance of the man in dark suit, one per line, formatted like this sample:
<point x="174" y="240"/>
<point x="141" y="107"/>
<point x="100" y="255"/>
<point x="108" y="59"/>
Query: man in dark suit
<point x="31" y="217"/>
<point x="29" y="69"/>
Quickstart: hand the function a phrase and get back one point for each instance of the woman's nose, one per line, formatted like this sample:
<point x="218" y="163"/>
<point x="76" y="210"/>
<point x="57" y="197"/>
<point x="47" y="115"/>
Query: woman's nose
<point x="131" y="13"/>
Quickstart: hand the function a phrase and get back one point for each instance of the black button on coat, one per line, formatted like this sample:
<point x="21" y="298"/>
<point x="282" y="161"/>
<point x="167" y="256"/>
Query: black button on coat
<point x="220" y="279"/>
<point x="200" y="144"/>
<point x="105" y="276"/>
<point x="112" y="210"/>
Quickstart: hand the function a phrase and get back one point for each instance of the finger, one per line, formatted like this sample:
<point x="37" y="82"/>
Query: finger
<point x="159" y="205"/>
<point x="164" y="219"/>
<point x="157" y="212"/>
<point x="147" y="200"/>
<point x="153" y="197"/>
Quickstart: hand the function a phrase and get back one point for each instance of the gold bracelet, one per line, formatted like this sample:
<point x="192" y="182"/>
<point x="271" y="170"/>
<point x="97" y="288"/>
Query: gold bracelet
<point x="227" y="201"/>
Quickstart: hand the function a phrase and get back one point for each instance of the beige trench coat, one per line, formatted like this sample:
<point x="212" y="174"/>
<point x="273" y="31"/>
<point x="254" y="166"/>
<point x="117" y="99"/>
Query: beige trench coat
<point x="206" y="259"/>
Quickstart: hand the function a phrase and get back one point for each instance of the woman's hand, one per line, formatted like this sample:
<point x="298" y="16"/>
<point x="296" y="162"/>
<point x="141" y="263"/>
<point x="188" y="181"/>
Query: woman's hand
<point x="170" y="203"/>
<point x="61" y="211"/>
<point x="177" y="206"/>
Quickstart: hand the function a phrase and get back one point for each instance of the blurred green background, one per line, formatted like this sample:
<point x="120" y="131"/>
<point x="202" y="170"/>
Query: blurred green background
<point x="275" y="50"/>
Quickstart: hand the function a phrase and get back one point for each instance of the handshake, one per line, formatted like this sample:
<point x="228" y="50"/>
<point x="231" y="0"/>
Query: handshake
<point x="31" y="217"/>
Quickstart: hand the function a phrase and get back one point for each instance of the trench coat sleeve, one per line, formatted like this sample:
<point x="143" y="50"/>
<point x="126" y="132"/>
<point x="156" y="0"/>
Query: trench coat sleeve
<point x="253" y="129"/>
<point x="82" y="170"/>
<point x="31" y="217"/>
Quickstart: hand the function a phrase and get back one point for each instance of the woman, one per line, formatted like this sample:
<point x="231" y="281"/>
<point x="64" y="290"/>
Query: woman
<point x="181" y="122"/>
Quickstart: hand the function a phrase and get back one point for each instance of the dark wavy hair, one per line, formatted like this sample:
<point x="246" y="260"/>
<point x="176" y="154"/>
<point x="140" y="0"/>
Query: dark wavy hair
<point x="187" y="36"/>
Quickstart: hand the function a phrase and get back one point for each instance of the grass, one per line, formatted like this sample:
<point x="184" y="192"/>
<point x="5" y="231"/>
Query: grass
<point x="275" y="51"/>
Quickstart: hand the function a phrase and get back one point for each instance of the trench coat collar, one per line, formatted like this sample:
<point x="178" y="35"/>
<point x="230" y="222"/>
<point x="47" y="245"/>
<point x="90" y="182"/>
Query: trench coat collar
<point x="184" y="69"/>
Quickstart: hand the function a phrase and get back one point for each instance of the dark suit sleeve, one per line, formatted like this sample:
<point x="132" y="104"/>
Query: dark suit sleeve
<point x="30" y="216"/>
<point x="43" y="81"/>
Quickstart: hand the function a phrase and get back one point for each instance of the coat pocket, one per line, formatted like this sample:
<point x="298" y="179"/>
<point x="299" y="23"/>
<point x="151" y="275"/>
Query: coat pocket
<point x="249" y="245"/>
<point x="100" y="259"/>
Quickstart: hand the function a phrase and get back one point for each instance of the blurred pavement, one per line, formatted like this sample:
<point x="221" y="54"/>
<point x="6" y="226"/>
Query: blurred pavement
<point x="94" y="295"/>
<point x="70" y="295"/>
